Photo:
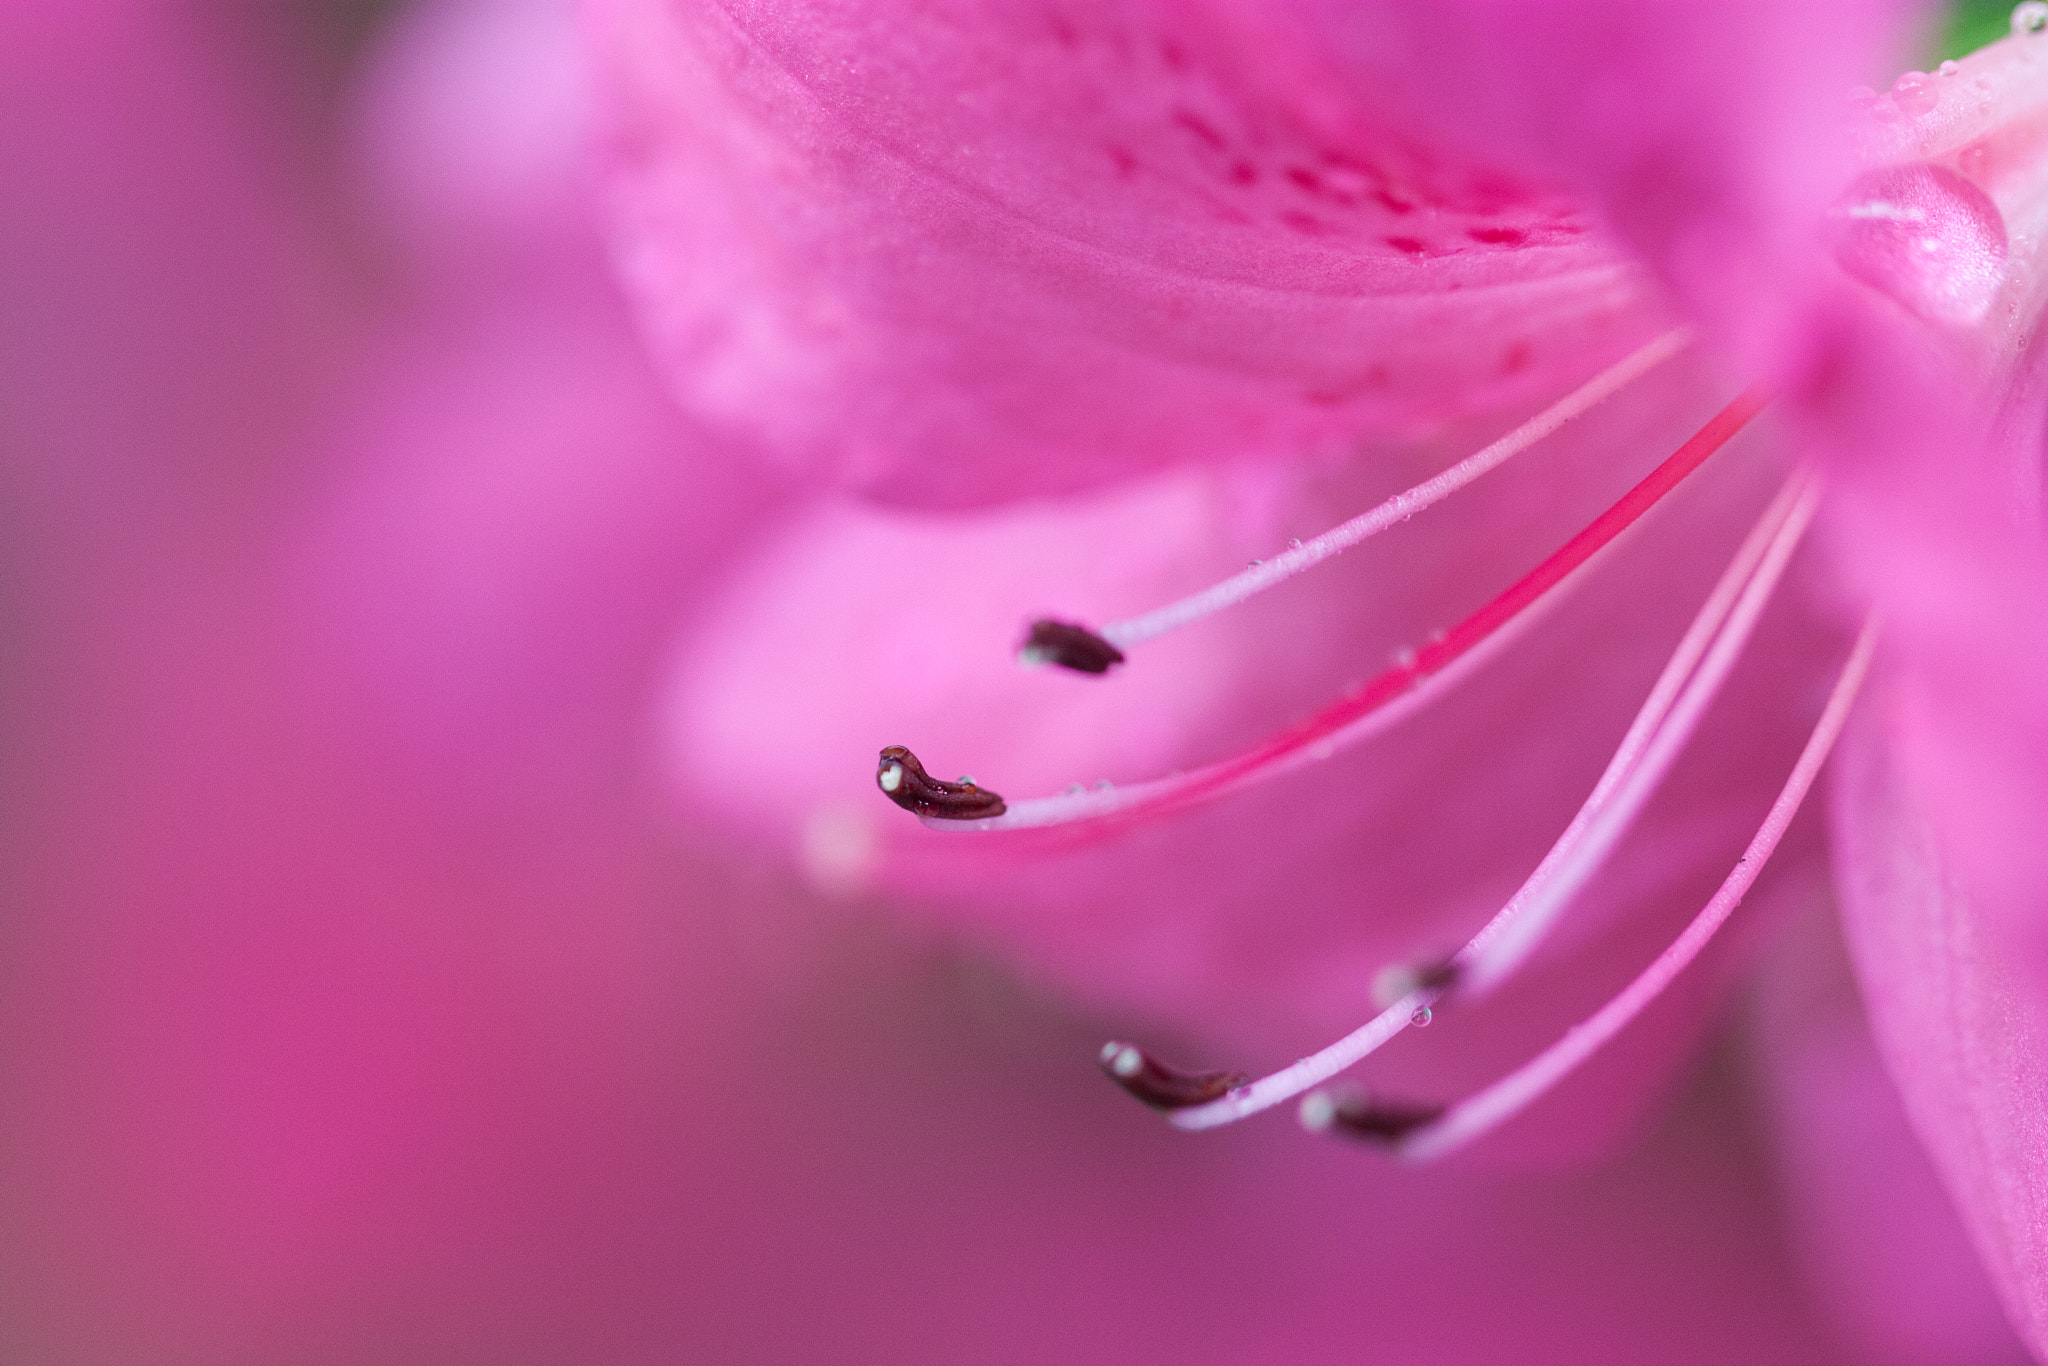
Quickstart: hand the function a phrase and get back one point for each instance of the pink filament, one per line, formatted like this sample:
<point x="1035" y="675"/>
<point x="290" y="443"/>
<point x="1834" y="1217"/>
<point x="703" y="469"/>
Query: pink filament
<point x="1666" y="720"/>
<point x="1652" y="745"/>
<point x="1479" y="1113"/>
<point x="1100" y="812"/>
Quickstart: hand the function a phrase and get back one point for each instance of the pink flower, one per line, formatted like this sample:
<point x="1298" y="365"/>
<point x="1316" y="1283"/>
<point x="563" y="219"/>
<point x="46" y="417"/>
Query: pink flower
<point x="363" y="1003"/>
<point x="1213" y="273"/>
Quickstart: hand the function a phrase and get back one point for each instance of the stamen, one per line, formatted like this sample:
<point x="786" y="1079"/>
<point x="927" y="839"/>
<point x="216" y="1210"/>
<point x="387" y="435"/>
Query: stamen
<point x="1655" y="739"/>
<point x="1069" y="646"/>
<point x="1357" y="1115"/>
<point x="1486" y="1110"/>
<point x="1665" y="721"/>
<point x="903" y="781"/>
<point x="1306" y="554"/>
<point x="1160" y="1086"/>
<point x="1391" y="694"/>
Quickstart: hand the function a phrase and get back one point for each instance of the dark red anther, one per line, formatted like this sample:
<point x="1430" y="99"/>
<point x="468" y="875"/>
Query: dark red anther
<point x="1356" y="1115"/>
<point x="1069" y="646"/>
<point x="1160" y="1086"/>
<point x="1439" y="977"/>
<point x="903" y="781"/>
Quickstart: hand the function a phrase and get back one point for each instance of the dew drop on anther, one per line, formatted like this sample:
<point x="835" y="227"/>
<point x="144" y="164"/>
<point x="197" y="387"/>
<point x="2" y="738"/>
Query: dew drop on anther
<point x="1925" y="237"/>
<point x="2029" y="18"/>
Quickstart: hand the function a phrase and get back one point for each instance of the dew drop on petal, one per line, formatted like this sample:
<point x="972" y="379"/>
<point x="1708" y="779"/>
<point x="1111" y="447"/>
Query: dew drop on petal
<point x="1948" y="68"/>
<point x="2029" y="18"/>
<point x="1915" y="93"/>
<point x="1924" y="236"/>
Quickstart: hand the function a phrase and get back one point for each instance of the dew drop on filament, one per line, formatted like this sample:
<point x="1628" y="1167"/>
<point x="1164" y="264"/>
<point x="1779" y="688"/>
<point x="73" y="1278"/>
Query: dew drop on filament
<point x="1421" y="1018"/>
<point x="1925" y="237"/>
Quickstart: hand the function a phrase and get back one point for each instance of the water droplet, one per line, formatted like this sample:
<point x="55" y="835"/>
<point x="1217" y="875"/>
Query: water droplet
<point x="1421" y="1018"/>
<point x="2029" y="18"/>
<point x="967" y="778"/>
<point x="1948" y="68"/>
<point x="1254" y="564"/>
<point x="1926" y="238"/>
<point x="1294" y="544"/>
<point x="1915" y="93"/>
<point x="1104" y="785"/>
<point x="1075" y="789"/>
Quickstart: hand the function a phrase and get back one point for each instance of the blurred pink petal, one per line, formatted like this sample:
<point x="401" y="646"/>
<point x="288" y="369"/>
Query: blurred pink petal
<point x="1880" y="1238"/>
<point x="1959" y="1006"/>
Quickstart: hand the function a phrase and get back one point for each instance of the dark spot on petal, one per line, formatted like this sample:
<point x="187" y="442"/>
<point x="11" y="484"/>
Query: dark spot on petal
<point x="1374" y="378"/>
<point x="1501" y="237"/>
<point x="1200" y="127"/>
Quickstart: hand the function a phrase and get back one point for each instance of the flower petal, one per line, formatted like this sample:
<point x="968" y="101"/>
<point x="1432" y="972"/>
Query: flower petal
<point x="1958" y="1001"/>
<point x="1711" y="137"/>
<point x="1028" y="247"/>
<point x="1884" y="1250"/>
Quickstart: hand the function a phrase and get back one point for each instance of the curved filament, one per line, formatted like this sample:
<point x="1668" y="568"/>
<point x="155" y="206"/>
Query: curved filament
<point x="1487" y="1109"/>
<point x="1668" y="716"/>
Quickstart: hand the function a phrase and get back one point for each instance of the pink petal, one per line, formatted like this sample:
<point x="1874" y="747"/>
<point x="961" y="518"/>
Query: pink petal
<point x="1711" y="137"/>
<point x="1882" y="1244"/>
<point x="1028" y="249"/>
<point x="1959" y="1004"/>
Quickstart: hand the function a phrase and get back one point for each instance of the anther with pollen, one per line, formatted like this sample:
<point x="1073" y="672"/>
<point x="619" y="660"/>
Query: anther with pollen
<point x="1357" y="1115"/>
<point x="1160" y="1086"/>
<point x="1069" y="646"/>
<point x="903" y="781"/>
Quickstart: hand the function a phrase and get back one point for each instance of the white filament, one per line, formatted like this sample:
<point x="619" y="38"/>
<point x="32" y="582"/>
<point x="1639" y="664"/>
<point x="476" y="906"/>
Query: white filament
<point x="1305" y="554"/>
